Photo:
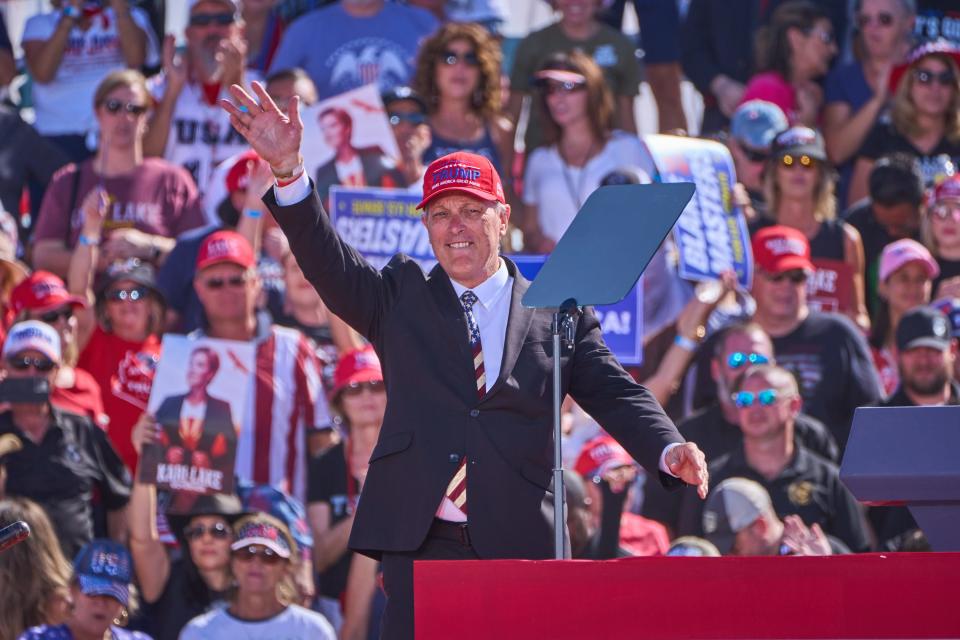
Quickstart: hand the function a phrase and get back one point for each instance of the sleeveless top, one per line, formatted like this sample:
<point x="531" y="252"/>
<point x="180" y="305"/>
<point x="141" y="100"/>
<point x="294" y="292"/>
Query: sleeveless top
<point x="442" y="146"/>
<point x="827" y="244"/>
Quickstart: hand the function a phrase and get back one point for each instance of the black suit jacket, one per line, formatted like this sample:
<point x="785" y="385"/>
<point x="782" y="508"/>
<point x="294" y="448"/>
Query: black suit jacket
<point x="217" y="420"/>
<point x="433" y="416"/>
<point x="378" y="171"/>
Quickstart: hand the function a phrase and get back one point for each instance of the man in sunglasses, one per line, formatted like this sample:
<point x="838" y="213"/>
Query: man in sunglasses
<point x="800" y="482"/>
<point x="753" y="127"/>
<point x="64" y="458"/>
<point x="287" y="393"/>
<point x="407" y="114"/>
<point x="187" y="128"/>
<point x="716" y="428"/>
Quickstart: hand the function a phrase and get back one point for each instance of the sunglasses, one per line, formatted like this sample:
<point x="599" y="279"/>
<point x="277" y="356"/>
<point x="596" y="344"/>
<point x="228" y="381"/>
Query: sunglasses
<point x="114" y="107"/>
<point x="42" y="365"/>
<point x="123" y="295"/>
<point x="356" y="388"/>
<point x="826" y="37"/>
<point x="796" y="276"/>
<point x="944" y="78"/>
<point x="219" y="531"/>
<point x="944" y="211"/>
<point x="754" y="156"/>
<point x="52" y="317"/>
<point x="883" y="19"/>
<point x="745" y="399"/>
<point x="804" y="161"/>
<point x="551" y="87"/>
<point x="207" y="19"/>
<point x="220" y="283"/>
<point x="737" y="359"/>
<point x="412" y="118"/>
<point x="450" y="58"/>
<point x="267" y="556"/>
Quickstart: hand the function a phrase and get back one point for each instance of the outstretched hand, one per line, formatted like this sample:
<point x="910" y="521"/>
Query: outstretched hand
<point x="273" y="134"/>
<point x="689" y="464"/>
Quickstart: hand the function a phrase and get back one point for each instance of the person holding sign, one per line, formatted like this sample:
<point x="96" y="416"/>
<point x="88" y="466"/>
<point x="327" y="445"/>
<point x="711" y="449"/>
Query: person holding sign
<point x="462" y="464"/>
<point x="799" y="189"/>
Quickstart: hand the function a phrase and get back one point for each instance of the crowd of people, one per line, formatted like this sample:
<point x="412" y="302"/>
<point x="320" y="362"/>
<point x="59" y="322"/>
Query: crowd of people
<point x="131" y="209"/>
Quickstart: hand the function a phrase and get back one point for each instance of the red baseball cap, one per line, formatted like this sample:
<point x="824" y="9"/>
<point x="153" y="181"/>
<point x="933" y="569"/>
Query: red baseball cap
<point x="600" y="455"/>
<point x="225" y="246"/>
<point x="778" y="248"/>
<point x="42" y="291"/>
<point x="462" y="171"/>
<point x="238" y="177"/>
<point x="946" y="189"/>
<point x="359" y="365"/>
<point x="939" y="46"/>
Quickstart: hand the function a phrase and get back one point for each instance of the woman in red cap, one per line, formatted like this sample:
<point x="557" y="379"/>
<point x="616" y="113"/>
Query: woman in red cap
<point x="924" y="118"/>
<point x="940" y="231"/>
<point x="335" y="478"/>
<point x="43" y="296"/>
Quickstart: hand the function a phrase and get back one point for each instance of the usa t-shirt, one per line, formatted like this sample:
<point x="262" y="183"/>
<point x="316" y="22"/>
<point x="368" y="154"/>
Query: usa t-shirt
<point x="65" y="105"/>
<point x="353" y="52"/>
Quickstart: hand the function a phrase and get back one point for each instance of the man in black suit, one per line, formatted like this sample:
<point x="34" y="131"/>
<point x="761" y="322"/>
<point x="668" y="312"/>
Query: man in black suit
<point x="463" y="461"/>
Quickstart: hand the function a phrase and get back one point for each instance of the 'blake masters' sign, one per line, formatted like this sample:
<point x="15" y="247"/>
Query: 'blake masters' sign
<point x="711" y="234"/>
<point x="382" y="222"/>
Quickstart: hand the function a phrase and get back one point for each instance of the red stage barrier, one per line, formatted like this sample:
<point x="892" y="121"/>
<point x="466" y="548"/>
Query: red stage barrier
<point x="855" y="596"/>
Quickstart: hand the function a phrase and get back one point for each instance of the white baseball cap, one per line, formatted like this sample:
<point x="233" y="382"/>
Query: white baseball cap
<point x="35" y="335"/>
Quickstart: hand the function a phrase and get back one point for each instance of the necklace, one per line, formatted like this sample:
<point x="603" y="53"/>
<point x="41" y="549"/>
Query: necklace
<point x="575" y="189"/>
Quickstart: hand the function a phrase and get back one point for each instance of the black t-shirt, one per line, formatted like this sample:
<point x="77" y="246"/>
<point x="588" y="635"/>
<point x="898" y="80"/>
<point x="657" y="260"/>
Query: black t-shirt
<point x="808" y="486"/>
<point x="183" y="599"/>
<point x="716" y="437"/>
<point x="948" y="269"/>
<point x="827" y="244"/>
<point x="875" y="237"/>
<point x="327" y="481"/>
<point x="63" y="470"/>
<point x="884" y="139"/>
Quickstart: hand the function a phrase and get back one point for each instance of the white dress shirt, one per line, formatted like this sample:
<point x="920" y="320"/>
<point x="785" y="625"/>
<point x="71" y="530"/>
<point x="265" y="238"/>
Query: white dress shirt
<point x="492" y="312"/>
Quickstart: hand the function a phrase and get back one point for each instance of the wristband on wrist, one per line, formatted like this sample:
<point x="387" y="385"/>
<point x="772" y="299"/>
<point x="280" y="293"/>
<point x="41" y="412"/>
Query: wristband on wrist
<point x="72" y="12"/>
<point x="285" y="182"/>
<point x="88" y="241"/>
<point x="685" y="343"/>
<point x="292" y="173"/>
<point x="253" y="213"/>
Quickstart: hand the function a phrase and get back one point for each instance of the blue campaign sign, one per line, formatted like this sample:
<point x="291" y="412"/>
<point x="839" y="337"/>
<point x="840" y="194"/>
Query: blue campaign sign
<point x="380" y="223"/>
<point x="621" y="323"/>
<point x="711" y="234"/>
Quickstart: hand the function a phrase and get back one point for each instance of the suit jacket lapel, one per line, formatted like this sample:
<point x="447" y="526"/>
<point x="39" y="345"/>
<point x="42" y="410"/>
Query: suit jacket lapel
<point x="517" y="326"/>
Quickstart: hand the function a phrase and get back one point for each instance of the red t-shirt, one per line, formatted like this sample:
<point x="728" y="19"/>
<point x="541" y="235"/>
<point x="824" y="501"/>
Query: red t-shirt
<point x="83" y="398"/>
<point x="156" y="197"/>
<point x="125" y="372"/>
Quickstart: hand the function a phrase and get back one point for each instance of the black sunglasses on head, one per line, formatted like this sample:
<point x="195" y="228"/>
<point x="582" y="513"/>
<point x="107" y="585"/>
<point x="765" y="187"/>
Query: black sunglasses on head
<point x="42" y="365"/>
<point x="451" y="58"/>
<point x="115" y="106"/>
<point x="207" y="19"/>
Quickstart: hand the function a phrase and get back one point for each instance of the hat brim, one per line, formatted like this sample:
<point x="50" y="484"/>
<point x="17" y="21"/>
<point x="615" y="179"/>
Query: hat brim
<point x="789" y="263"/>
<point x="927" y="341"/>
<point x="209" y="263"/>
<point x="98" y="586"/>
<point x="74" y="301"/>
<point x="264" y="542"/>
<point x="477" y="193"/>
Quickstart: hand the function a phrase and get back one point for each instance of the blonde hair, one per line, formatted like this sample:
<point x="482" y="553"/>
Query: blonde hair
<point x="824" y="193"/>
<point x="33" y="573"/>
<point x="286" y="589"/>
<point x="904" y="112"/>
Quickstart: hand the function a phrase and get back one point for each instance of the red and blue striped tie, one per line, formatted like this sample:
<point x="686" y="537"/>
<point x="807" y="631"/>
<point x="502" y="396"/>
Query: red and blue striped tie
<point x="457" y="489"/>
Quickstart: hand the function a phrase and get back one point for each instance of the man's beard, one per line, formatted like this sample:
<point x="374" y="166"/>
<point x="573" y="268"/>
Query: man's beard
<point x="935" y="385"/>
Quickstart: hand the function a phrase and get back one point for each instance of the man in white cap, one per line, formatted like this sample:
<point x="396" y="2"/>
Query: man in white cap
<point x="63" y="456"/>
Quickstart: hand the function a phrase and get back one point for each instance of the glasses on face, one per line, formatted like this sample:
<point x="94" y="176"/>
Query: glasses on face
<point x="220" y="283"/>
<point x="927" y="77"/>
<point x="826" y="37"/>
<point x="356" y="388"/>
<point x="207" y="19"/>
<point x="219" y="530"/>
<point x="883" y="19"/>
<point x="124" y="295"/>
<point x="945" y="211"/>
<point x="114" y="106"/>
<point x="755" y="156"/>
<point x="52" y="317"/>
<point x="413" y="118"/>
<point x="450" y="58"/>
<point x="795" y="276"/>
<point x="738" y="359"/>
<point x="550" y="87"/>
<point x="267" y="556"/>
<point x="804" y="161"/>
<point x="744" y="399"/>
<point x="43" y="365"/>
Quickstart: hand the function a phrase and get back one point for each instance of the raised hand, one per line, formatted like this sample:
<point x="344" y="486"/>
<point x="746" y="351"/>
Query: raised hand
<point x="174" y="66"/>
<point x="94" y="207"/>
<point x="275" y="136"/>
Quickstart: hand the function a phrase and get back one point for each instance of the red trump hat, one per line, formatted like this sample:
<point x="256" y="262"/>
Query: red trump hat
<point x="225" y="246"/>
<point x="600" y="455"/>
<point x="778" y="248"/>
<point x="42" y="291"/>
<point x="354" y="367"/>
<point x="462" y="171"/>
